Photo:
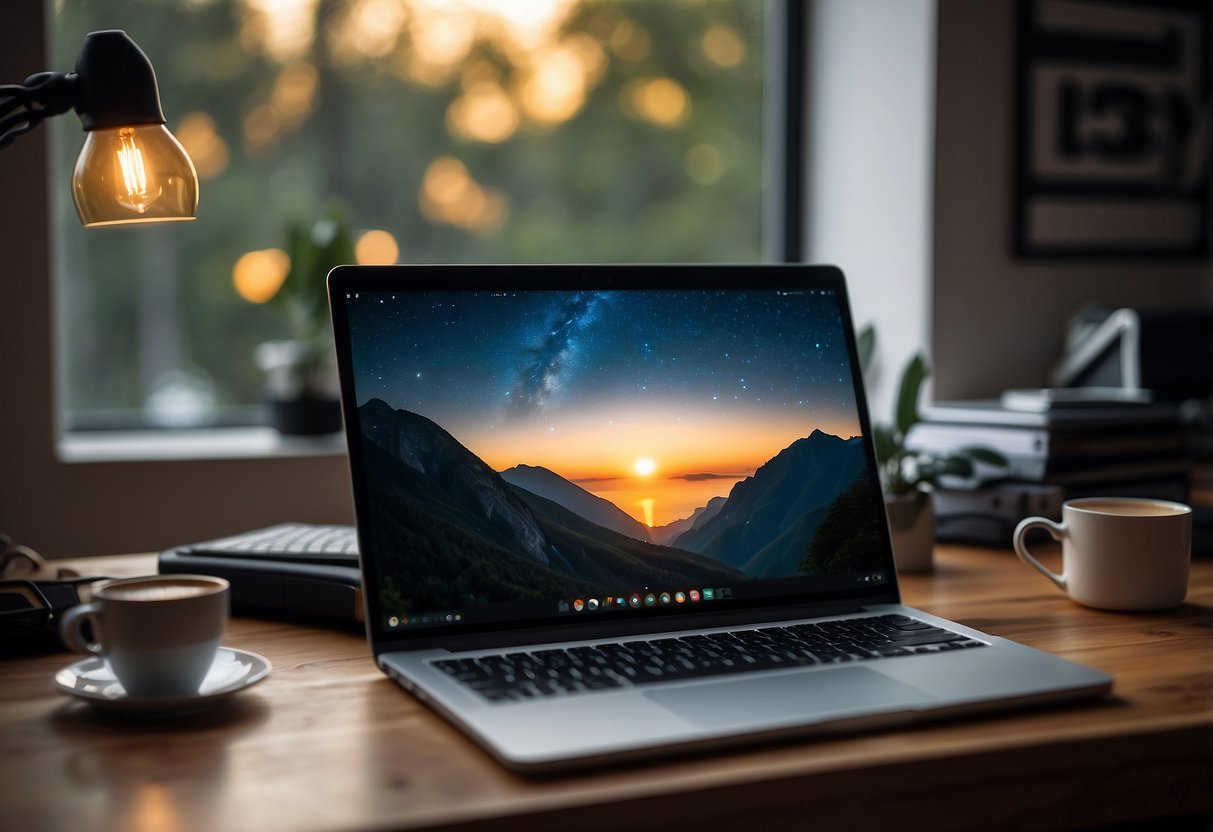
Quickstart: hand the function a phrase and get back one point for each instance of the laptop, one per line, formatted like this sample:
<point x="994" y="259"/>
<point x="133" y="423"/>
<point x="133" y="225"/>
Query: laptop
<point x="605" y="512"/>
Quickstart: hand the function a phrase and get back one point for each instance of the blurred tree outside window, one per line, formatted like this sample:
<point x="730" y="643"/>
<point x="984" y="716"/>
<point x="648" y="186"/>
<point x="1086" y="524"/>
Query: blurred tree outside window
<point x="450" y="131"/>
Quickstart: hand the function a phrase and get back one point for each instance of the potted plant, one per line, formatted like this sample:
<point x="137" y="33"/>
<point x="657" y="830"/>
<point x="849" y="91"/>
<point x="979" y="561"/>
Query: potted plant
<point x="909" y="476"/>
<point x="301" y="372"/>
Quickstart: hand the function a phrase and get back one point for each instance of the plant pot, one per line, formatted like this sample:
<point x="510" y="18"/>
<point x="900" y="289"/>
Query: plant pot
<point x="301" y="385"/>
<point x="305" y="416"/>
<point x="912" y="525"/>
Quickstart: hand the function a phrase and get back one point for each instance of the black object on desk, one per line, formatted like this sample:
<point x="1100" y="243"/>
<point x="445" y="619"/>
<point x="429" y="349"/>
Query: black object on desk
<point x="293" y="570"/>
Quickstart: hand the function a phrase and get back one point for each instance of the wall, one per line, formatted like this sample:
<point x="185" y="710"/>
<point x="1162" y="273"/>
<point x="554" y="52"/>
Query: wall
<point x="871" y="80"/>
<point x="999" y="321"/>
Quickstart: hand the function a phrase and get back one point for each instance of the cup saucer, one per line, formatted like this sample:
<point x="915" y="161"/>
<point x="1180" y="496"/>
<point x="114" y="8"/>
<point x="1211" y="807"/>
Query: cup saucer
<point x="232" y="671"/>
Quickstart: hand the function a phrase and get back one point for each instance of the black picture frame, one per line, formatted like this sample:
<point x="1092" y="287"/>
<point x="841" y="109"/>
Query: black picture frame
<point x="1113" y="129"/>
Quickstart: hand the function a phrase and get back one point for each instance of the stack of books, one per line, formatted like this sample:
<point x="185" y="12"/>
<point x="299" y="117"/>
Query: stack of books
<point x="1055" y="449"/>
<point x="1093" y="448"/>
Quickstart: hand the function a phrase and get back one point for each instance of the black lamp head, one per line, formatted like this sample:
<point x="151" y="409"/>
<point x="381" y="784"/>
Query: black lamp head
<point x="115" y="83"/>
<point x="131" y="169"/>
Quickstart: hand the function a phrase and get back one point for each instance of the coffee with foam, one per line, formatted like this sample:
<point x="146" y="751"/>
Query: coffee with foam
<point x="158" y="592"/>
<point x="159" y="634"/>
<point x="1130" y="508"/>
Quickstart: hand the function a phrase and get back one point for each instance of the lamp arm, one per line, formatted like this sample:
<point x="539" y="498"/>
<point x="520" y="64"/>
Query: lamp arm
<point x="42" y="96"/>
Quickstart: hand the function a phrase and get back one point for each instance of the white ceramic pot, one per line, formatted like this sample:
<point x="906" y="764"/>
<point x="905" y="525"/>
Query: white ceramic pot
<point x="912" y="525"/>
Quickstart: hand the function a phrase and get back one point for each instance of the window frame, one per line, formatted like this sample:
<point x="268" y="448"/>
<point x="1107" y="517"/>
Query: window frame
<point x="73" y="493"/>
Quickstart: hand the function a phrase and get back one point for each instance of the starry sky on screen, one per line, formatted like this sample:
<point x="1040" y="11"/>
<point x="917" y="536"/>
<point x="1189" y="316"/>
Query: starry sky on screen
<point x="500" y="370"/>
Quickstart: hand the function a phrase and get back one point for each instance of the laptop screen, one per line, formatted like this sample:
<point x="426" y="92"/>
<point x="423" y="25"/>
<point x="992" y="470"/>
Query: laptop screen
<point x="540" y="455"/>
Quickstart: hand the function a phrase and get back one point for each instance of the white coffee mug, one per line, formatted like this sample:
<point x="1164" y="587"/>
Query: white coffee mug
<point x="159" y="633"/>
<point x="1118" y="553"/>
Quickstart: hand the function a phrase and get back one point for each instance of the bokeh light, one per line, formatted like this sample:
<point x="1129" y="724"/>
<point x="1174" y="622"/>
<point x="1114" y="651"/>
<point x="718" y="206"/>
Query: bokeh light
<point x="555" y="90"/>
<point x="201" y="140"/>
<point x="279" y="29"/>
<point x="376" y="248"/>
<point x="450" y="195"/>
<point x="262" y="126"/>
<point x="484" y="113"/>
<point x="295" y="92"/>
<point x="723" y="46"/>
<point x="630" y="41"/>
<point x="662" y="101"/>
<point x="258" y="275"/>
<point x="371" y="28"/>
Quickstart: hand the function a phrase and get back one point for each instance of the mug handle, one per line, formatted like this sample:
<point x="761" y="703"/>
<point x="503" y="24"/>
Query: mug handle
<point x="72" y="634"/>
<point x="1056" y="530"/>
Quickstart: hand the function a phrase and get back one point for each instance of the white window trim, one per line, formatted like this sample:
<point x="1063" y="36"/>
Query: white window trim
<point x="179" y="445"/>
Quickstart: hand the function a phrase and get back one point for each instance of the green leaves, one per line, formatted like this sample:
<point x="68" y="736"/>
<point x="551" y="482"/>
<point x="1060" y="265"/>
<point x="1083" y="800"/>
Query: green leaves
<point x="886" y="443"/>
<point x="912" y="378"/>
<point x="906" y="471"/>
<point x="314" y="251"/>
<point x="986" y="455"/>
<point x="865" y="344"/>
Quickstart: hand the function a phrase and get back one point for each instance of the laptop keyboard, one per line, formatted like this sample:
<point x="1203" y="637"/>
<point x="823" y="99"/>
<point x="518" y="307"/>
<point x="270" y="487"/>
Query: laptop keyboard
<point x="527" y="675"/>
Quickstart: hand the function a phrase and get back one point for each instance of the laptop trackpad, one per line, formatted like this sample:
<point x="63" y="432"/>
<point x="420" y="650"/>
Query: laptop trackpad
<point x="790" y="696"/>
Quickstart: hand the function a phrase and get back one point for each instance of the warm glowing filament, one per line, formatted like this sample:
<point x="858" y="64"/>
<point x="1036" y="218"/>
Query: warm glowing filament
<point x="134" y="173"/>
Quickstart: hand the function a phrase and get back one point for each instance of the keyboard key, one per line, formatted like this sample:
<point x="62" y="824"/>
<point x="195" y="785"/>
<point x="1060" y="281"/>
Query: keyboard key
<point x="563" y="671"/>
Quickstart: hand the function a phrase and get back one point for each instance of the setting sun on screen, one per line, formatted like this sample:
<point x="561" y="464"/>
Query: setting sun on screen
<point x="644" y="466"/>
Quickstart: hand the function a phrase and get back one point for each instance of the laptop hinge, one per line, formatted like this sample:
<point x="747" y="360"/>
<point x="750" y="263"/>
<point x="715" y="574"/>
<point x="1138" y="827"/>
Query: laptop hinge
<point x="585" y="631"/>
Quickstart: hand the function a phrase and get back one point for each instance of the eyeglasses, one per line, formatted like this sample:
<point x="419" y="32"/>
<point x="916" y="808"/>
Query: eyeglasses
<point x="30" y="606"/>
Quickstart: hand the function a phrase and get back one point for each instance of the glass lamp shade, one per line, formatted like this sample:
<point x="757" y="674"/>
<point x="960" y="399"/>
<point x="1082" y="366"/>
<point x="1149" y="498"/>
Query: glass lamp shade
<point x="139" y="173"/>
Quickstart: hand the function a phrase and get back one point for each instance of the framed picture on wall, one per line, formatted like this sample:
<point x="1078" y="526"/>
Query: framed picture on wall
<point x="1113" y="128"/>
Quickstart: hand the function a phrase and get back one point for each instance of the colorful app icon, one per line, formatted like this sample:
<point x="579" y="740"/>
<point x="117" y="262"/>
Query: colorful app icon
<point x="578" y="605"/>
<point x="680" y="597"/>
<point x="650" y="600"/>
<point x="725" y="592"/>
<point x="665" y="598"/>
<point x="693" y="595"/>
<point x="608" y="602"/>
<point x="708" y="593"/>
<point x="562" y="606"/>
<point x="393" y="621"/>
<point x="621" y="601"/>
<point x="592" y="604"/>
<point x="634" y="600"/>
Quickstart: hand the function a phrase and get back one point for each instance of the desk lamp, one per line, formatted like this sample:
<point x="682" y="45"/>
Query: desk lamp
<point x="131" y="169"/>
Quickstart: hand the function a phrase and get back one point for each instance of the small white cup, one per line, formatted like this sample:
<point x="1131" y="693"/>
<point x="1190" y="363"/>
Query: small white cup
<point x="159" y="633"/>
<point x="1118" y="553"/>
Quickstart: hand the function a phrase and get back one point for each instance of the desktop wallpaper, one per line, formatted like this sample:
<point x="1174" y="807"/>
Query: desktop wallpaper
<point x="542" y="445"/>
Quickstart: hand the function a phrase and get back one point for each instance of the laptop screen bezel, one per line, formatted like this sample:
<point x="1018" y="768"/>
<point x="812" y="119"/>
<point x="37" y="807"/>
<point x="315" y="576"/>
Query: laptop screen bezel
<point x="351" y="280"/>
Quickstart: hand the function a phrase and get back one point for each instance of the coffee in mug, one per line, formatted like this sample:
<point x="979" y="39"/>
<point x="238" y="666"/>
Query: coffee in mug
<point x="159" y="633"/>
<point x="1118" y="553"/>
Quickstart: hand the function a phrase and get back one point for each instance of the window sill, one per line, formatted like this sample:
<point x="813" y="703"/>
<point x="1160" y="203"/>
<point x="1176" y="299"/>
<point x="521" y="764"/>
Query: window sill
<point x="208" y="444"/>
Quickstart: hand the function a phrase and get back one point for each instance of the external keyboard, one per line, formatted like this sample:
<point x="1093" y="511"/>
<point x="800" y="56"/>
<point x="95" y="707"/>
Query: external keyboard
<point x="527" y="675"/>
<point x="287" y="541"/>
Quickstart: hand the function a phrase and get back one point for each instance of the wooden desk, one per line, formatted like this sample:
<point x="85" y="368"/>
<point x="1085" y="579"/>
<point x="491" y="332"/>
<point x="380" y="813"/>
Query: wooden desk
<point x="328" y="743"/>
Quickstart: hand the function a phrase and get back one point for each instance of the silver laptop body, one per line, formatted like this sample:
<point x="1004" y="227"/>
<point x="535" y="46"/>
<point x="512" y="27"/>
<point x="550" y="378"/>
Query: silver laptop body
<point x="607" y="512"/>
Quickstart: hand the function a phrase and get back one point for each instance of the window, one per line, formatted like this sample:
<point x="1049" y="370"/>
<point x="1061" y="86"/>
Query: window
<point x="470" y="131"/>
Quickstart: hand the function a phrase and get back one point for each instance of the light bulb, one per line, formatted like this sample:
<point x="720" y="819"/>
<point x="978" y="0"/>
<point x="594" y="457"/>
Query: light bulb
<point x="130" y="174"/>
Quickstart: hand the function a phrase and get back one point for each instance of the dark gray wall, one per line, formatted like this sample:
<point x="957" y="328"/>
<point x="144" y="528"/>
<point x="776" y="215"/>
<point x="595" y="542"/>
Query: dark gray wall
<point x="997" y="321"/>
